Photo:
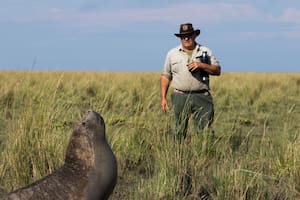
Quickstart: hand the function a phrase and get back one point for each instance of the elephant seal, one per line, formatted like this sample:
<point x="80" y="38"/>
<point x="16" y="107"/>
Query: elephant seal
<point x="89" y="171"/>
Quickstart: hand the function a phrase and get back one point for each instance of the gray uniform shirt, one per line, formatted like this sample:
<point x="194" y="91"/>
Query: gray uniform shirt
<point x="176" y="69"/>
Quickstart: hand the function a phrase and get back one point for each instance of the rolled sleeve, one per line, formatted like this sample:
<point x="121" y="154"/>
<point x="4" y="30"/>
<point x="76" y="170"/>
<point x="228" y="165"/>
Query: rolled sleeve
<point x="167" y="68"/>
<point x="213" y="59"/>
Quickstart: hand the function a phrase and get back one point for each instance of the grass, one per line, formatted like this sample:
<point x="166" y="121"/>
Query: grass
<point x="255" y="153"/>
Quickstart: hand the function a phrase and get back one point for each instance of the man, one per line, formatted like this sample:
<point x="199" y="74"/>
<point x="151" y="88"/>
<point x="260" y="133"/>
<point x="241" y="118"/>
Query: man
<point x="188" y="66"/>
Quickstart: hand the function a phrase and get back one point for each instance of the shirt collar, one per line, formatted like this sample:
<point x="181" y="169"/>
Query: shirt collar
<point x="197" y="48"/>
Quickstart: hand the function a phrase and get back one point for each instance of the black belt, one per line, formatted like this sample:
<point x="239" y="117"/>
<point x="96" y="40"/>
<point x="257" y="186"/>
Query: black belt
<point x="189" y="92"/>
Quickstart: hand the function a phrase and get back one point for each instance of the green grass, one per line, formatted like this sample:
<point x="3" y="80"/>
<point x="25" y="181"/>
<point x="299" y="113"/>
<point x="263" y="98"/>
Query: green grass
<point x="255" y="153"/>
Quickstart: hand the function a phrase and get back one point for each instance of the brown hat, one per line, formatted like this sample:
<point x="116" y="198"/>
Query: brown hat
<point x="187" y="29"/>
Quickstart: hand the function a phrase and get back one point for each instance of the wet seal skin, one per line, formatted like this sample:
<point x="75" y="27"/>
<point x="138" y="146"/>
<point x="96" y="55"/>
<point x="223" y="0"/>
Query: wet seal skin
<point x="89" y="171"/>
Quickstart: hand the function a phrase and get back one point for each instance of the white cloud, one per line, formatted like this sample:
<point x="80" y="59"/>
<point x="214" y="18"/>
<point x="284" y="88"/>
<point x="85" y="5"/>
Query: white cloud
<point x="205" y="13"/>
<point x="290" y="15"/>
<point x="55" y="10"/>
<point x="254" y="23"/>
<point x="216" y="14"/>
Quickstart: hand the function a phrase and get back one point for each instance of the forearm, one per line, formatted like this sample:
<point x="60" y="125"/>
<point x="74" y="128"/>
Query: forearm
<point x="164" y="86"/>
<point x="213" y="70"/>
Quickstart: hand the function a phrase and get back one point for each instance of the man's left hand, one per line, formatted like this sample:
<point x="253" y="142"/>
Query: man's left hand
<point x="192" y="66"/>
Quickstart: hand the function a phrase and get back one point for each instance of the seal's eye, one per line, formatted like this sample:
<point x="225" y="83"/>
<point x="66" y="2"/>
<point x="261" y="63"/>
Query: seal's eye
<point x="83" y="124"/>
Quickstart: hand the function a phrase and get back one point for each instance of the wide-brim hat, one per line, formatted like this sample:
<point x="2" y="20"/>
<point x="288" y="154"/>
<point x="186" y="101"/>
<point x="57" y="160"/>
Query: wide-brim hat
<point x="187" y="29"/>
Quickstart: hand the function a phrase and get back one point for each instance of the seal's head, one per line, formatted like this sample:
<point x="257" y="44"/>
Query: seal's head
<point x="94" y="124"/>
<point x="85" y="137"/>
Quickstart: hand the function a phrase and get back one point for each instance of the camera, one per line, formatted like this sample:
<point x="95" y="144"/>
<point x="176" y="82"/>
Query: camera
<point x="204" y="58"/>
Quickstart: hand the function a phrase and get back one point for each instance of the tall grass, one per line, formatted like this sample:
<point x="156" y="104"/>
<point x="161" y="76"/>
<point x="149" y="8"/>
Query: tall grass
<point x="255" y="153"/>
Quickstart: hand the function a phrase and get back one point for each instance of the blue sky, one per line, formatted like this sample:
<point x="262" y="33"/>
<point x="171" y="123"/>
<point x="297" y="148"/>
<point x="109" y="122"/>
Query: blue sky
<point x="135" y="35"/>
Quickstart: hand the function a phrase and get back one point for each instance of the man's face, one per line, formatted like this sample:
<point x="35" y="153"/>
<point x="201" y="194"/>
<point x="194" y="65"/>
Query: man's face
<point x="188" y="41"/>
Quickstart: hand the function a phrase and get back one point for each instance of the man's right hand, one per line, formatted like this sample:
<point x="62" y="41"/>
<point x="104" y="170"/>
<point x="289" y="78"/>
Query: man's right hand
<point x="164" y="105"/>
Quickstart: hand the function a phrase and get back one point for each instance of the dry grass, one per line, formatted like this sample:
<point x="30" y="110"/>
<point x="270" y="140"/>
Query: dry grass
<point x="255" y="154"/>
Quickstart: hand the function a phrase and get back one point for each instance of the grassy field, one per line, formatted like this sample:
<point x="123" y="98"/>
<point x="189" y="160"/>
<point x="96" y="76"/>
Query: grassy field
<point x="255" y="153"/>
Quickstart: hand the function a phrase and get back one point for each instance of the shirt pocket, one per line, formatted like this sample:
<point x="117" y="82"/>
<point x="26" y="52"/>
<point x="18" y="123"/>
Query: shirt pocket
<point x="175" y="65"/>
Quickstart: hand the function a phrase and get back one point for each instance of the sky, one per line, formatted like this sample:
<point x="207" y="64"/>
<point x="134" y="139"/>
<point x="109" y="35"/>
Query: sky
<point x="135" y="35"/>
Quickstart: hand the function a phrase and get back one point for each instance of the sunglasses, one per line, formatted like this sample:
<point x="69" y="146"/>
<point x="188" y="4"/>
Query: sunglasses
<point x="187" y="37"/>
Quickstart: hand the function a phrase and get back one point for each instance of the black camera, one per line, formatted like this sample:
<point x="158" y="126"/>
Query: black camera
<point x="204" y="58"/>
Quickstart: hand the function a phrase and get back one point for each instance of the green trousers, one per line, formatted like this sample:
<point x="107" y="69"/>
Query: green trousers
<point x="199" y="105"/>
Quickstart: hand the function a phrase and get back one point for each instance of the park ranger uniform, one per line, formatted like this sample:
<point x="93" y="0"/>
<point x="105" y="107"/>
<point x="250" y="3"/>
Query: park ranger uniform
<point x="191" y="90"/>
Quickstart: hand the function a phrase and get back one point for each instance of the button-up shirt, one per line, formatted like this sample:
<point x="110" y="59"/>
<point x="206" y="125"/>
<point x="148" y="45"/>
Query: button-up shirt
<point x="176" y="69"/>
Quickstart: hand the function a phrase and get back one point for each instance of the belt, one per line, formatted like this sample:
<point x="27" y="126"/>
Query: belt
<point x="190" y="92"/>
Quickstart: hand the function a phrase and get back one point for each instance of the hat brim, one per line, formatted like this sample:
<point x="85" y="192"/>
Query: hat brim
<point x="185" y="34"/>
